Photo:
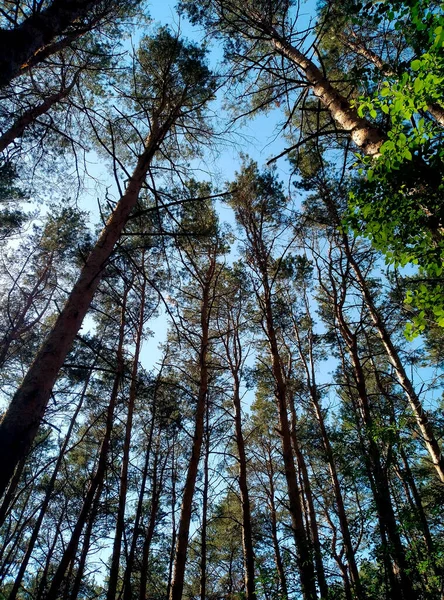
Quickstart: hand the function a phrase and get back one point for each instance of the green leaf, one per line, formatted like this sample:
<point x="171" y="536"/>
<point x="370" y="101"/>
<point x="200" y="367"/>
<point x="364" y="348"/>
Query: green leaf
<point x="418" y="85"/>
<point x="416" y="65"/>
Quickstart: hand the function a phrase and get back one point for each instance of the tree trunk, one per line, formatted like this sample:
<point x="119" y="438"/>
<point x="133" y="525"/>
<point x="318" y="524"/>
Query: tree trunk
<point x="157" y="486"/>
<point x="274" y="533"/>
<point x="18" y="45"/>
<point x="86" y="543"/>
<point x="99" y="475"/>
<point x="313" y="525"/>
<point x="44" y="578"/>
<point x="247" y="530"/>
<point x="233" y="350"/>
<point x="22" y="419"/>
<point x="120" y="523"/>
<point x="363" y="133"/>
<point x="308" y="363"/>
<point x="190" y="482"/>
<point x="303" y="546"/>
<point x="28" y="117"/>
<point x="203" y="536"/>
<point x="378" y="475"/>
<point x="48" y="495"/>
<point x="127" y="578"/>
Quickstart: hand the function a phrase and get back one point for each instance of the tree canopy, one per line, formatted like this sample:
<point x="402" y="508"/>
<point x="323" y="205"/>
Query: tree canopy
<point x="221" y="379"/>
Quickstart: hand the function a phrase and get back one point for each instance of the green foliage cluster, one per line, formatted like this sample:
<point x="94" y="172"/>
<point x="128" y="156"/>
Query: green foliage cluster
<point x="397" y="200"/>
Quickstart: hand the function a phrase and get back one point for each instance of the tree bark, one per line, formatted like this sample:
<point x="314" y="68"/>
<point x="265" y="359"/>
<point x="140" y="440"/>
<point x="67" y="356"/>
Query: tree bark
<point x="22" y="419"/>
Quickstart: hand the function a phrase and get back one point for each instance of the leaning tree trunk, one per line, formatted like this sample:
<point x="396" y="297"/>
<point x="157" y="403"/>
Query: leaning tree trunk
<point x="377" y="473"/>
<point x="363" y="133"/>
<point x="21" y="421"/>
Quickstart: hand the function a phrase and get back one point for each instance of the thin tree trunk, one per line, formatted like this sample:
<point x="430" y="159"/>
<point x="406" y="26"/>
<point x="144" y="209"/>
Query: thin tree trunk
<point x="44" y="578"/>
<point x="22" y="419"/>
<point x="247" y="529"/>
<point x="303" y="546"/>
<point x="308" y="363"/>
<point x="17" y="129"/>
<point x="372" y="455"/>
<point x="86" y="543"/>
<point x="18" y="327"/>
<point x="203" y="537"/>
<point x="9" y="496"/>
<point x="99" y="475"/>
<point x="190" y="482"/>
<point x="48" y="495"/>
<point x="274" y="533"/>
<point x="419" y="413"/>
<point x="120" y="523"/>
<point x="157" y="486"/>
<point x="127" y="578"/>
<point x="313" y="525"/>
<point x="252" y="224"/>
<point x="233" y="350"/>
<point x="174" y="477"/>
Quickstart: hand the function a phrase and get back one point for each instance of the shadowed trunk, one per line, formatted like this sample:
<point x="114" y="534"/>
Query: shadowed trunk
<point x="19" y="45"/>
